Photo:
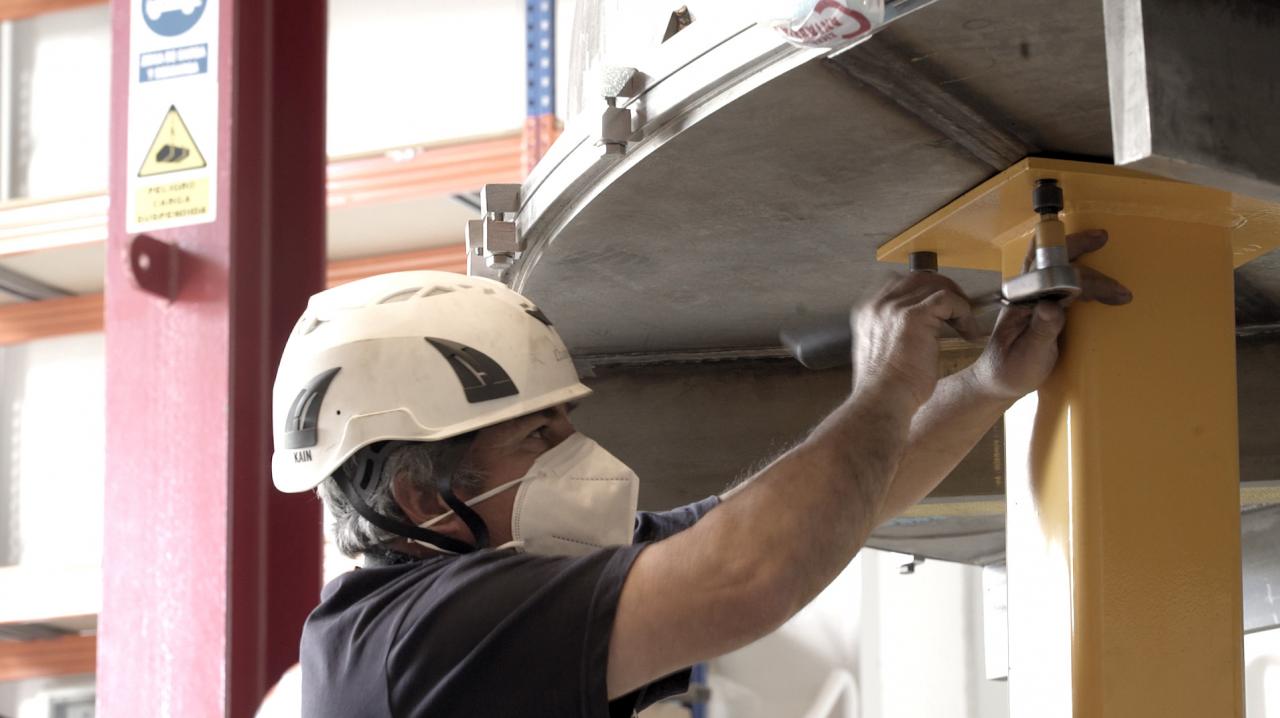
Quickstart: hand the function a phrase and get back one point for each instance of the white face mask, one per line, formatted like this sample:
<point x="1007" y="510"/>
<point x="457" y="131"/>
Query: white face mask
<point x="576" y="498"/>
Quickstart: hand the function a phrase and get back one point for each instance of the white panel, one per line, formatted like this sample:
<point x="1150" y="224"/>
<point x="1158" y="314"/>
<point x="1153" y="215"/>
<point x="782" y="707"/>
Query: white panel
<point x="406" y="72"/>
<point x="404" y="226"/>
<point x="1262" y="674"/>
<point x="910" y="644"/>
<point x="51" y="460"/>
<point x="565" y="11"/>
<point x="8" y="697"/>
<point x="930" y="656"/>
<point x="40" y="697"/>
<point x="783" y="673"/>
<point x="77" y="269"/>
<point x="63" y="102"/>
<point x="401" y="72"/>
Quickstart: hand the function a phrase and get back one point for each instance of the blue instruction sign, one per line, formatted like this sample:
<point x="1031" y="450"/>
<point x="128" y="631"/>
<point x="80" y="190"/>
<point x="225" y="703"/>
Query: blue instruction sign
<point x="171" y="17"/>
<point x="175" y="62"/>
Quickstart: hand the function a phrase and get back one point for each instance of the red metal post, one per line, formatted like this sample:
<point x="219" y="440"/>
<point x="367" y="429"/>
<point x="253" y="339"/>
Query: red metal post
<point x="208" y="572"/>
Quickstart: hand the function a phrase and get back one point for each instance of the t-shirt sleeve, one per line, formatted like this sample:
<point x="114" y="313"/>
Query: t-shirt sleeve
<point x="655" y="526"/>
<point x="506" y="634"/>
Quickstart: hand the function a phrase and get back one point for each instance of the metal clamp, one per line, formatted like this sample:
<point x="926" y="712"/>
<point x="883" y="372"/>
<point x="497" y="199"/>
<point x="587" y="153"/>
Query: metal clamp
<point x="493" y="243"/>
<point x="1051" y="276"/>
<point x="615" y="122"/>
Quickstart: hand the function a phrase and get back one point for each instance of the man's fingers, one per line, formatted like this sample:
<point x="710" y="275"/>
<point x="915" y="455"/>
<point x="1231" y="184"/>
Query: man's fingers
<point x="968" y="328"/>
<point x="918" y="287"/>
<point x="1098" y="287"/>
<point x="1012" y="322"/>
<point x="948" y="306"/>
<point x="1047" y="321"/>
<point x="1084" y="242"/>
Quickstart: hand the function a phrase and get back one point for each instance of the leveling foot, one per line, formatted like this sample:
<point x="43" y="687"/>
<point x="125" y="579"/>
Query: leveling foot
<point x="1050" y="276"/>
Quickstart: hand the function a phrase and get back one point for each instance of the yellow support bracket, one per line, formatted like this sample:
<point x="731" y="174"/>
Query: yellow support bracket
<point x="1123" y="507"/>
<point x="972" y="231"/>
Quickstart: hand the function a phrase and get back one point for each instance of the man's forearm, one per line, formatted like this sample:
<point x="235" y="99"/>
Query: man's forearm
<point x="942" y="433"/>
<point x="826" y="491"/>
<point x="777" y="541"/>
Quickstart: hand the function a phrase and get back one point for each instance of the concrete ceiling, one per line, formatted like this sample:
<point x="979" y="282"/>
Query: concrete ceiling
<point x="769" y="211"/>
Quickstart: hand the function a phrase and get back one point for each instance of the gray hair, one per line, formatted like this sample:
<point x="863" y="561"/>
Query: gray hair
<point x="418" y="460"/>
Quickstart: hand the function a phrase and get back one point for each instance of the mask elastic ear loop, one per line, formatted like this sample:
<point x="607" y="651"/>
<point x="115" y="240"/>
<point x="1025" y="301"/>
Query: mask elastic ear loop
<point x="451" y="460"/>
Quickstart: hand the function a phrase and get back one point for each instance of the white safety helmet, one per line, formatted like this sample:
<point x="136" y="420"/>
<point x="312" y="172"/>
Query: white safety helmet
<point x="409" y="356"/>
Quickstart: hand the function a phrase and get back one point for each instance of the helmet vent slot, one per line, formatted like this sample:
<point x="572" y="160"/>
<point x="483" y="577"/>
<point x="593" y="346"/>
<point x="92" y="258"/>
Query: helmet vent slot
<point x="537" y="314"/>
<point x="304" y="414"/>
<point x="481" y="377"/>
<point x="400" y="296"/>
<point x="435" y="291"/>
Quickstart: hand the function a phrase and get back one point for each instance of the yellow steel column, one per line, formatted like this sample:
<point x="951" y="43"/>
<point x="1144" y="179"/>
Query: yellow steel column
<point x="1123" y="499"/>
<point x="1124" y="493"/>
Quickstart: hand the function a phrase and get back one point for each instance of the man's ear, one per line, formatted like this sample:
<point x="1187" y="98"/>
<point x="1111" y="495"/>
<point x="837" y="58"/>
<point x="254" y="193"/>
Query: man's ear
<point x="417" y="505"/>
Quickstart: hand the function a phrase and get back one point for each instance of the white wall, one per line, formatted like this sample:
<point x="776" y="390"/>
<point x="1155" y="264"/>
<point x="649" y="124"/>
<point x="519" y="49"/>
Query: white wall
<point x="35" y="697"/>
<point x="927" y="650"/>
<point x="1262" y="674"/>
<point x="52" y="443"/>
<point x="781" y="674"/>
<point x="403" y="72"/>
<point x="8" y="698"/>
<point x="62" y="102"/>
<point x="912" y="644"/>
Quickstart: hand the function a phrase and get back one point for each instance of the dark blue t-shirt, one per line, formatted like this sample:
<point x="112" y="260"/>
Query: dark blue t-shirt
<point x="490" y="634"/>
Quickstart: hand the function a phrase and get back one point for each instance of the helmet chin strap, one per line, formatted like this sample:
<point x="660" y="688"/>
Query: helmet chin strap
<point x="451" y="459"/>
<point x="396" y="526"/>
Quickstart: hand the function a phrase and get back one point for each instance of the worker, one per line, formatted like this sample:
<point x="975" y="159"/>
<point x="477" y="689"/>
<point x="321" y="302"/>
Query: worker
<point x="506" y="571"/>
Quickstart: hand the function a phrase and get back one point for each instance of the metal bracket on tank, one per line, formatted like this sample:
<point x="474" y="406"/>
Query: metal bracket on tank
<point x="615" y="122"/>
<point x="493" y="243"/>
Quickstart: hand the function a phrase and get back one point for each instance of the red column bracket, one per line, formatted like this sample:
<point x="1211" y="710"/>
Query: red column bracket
<point x="155" y="266"/>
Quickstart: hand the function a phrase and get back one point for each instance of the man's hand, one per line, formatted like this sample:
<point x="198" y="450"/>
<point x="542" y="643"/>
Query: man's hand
<point x="1024" y="345"/>
<point x="896" y="335"/>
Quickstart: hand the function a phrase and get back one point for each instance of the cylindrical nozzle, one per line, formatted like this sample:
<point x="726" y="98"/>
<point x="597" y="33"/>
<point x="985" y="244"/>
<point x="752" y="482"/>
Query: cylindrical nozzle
<point x="1047" y="197"/>
<point x="1051" y="236"/>
<point x="1051" y="276"/>
<point x="922" y="262"/>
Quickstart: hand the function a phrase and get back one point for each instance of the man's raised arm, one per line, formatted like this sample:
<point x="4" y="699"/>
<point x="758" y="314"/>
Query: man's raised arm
<point x="754" y="561"/>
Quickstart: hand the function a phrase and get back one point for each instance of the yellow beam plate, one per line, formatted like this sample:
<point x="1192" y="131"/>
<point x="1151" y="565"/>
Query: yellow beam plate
<point x="971" y="232"/>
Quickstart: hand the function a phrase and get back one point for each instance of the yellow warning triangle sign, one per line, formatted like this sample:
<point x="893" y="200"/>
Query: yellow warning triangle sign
<point x="173" y="149"/>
